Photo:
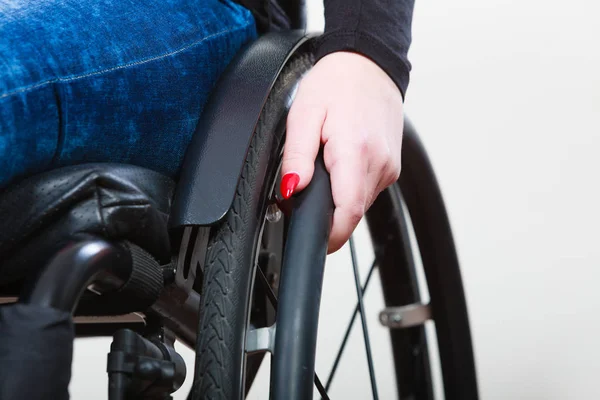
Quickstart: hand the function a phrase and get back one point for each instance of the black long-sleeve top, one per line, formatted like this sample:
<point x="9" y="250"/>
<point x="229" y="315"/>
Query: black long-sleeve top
<point x="377" y="29"/>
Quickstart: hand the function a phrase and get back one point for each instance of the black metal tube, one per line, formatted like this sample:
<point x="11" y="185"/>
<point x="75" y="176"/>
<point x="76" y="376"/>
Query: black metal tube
<point x="37" y="333"/>
<point x="62" y="282"/>
<point x="293" y="365"/>
<point x="180" y="317"/>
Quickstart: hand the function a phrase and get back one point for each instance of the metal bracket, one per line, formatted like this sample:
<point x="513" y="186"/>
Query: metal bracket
<point x="260" y="340"/>
<point x="185" y="276"/>
<point x="179" y="303"/>
<point x="405" y="316"/>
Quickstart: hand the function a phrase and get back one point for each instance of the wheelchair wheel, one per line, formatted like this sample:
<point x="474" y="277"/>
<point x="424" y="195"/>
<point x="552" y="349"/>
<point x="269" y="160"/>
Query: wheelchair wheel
<point x="243" y="260"/>
<point x="234" y="250"/>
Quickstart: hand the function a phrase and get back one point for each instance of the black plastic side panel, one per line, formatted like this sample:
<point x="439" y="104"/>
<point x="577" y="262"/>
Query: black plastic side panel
<point x="215" y="157"/>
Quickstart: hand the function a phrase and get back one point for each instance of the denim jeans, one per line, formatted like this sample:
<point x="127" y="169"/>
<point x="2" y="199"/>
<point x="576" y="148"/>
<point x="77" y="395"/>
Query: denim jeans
<point x="109" y="80"/>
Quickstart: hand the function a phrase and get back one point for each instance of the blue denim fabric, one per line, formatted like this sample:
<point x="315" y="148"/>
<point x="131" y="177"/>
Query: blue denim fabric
<point x="109" y="80"/>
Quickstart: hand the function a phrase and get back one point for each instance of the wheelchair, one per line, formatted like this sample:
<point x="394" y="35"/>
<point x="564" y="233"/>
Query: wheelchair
<point x="217" y="261"/>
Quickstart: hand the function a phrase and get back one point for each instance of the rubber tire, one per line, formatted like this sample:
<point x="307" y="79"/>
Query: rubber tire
<point x="231" y="254"/>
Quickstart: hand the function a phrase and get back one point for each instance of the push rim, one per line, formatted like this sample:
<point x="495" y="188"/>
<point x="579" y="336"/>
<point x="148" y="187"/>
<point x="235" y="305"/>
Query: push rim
<point x="413" y="375"/>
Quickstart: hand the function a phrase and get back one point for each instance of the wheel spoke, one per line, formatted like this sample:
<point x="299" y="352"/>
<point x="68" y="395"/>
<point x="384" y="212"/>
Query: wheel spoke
<point x="320" y="388"/>
<point x="363" y="319"/>
<point x="348" y="329"/>
<point x="267" y="287"/>
<point x="273" y="300"/>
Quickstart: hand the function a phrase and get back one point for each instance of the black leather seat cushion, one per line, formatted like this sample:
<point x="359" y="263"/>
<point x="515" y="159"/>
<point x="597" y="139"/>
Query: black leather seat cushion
<point x="43" y="213"/>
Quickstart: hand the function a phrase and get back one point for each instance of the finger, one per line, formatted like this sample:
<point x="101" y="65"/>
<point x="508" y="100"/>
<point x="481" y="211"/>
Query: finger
<point x="383" y="172"/>
<point x="303" y="139"/>
<point x="373" y="185"/>
<point x="348" y="169"/>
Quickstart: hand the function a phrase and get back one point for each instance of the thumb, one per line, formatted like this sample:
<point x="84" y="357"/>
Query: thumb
<point x="303" y="139"/>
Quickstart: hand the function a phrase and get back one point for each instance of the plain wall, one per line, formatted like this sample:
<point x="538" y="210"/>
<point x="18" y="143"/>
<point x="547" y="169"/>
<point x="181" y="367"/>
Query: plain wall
<point x="506" y="97"/>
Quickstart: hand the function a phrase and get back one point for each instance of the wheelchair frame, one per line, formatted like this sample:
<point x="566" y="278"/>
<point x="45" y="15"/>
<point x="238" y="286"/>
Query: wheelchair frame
<point x="202" y="199"/>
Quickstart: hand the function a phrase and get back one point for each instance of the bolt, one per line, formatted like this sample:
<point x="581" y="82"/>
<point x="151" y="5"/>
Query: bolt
<point x="396" y="318"/>
<point x="273" y="213"/>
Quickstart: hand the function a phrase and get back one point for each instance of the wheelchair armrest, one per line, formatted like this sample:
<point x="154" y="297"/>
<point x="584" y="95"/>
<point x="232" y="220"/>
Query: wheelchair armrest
<point x="215" y="156"/>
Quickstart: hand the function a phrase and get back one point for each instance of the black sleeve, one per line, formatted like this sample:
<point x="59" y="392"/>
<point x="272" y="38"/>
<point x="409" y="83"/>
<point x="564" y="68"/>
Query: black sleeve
<point x="377" y="29"/>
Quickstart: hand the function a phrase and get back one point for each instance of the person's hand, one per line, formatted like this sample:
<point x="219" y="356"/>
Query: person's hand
<point x="352" y="107"/>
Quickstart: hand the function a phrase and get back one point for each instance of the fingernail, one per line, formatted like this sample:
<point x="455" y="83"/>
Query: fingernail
<point x="289" y="182"/>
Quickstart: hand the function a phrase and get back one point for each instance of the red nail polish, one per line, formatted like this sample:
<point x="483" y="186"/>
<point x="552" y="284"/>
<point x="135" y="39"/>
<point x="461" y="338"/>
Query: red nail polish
<point x="289" y="182"/>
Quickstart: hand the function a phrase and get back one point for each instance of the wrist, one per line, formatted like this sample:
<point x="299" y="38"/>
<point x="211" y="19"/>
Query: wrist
<point x="397" y="68"/>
